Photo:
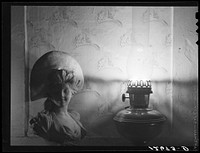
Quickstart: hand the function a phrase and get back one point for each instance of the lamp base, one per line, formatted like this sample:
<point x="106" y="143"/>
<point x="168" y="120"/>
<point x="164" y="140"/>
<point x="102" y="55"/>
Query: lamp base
<point x="139" y="134"/>
<point x="139" y="126"/>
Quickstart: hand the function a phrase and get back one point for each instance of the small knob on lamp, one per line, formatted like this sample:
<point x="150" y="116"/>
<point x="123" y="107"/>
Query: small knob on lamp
<point x="124" y="97"/>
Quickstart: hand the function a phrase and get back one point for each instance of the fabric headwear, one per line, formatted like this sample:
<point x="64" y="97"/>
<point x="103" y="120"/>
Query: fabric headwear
<point x="45" y="65"/>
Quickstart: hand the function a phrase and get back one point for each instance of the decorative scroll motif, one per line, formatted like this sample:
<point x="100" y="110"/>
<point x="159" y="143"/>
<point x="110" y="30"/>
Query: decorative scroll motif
<point x="152" y="15"/>
<point x="62" y="15"/>
<point x="82" y="39"/>
<point x="55" y="18"/>
<point x="46" y="32"/>
<point x="126" y="39"/>
<point x="108" y="15"/>
<point x="106" y="63"/>
<point x="41" y="38"/>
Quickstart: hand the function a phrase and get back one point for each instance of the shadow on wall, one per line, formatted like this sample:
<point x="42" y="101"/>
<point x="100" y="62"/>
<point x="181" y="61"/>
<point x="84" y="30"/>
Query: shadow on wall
<point x="179" y="104"/>
<point x="97" y="104"/>
<point x="101" y="100"/>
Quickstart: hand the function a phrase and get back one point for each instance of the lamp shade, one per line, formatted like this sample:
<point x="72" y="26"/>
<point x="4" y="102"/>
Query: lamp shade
<point x="53" y="60"/>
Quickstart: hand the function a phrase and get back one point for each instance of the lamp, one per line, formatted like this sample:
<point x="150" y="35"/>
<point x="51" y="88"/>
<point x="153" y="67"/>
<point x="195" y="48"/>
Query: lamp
<point x="138" y="123"/>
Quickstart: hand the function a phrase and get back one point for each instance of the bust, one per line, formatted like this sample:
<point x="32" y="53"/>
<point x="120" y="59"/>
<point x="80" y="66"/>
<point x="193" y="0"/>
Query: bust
<point x="56" y="122"/>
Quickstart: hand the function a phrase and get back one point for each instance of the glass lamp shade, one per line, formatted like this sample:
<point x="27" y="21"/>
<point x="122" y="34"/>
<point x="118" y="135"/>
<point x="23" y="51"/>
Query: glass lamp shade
<point x="139" y="64"/>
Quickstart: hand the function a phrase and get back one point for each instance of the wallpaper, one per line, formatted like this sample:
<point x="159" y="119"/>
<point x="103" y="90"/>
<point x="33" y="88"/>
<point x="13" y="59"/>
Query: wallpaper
<point x="114" y="44"/>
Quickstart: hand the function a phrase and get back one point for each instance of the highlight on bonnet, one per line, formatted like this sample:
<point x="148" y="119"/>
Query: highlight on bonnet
<point x="51" y="62"/>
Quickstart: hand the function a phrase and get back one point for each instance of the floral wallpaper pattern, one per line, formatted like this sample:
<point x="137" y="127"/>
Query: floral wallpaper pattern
<point x="114" y="43"/>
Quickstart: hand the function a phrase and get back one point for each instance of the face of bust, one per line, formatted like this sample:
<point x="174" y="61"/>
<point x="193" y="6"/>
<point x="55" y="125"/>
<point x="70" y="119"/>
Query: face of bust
<point x="61" y="87"/>
<point x="62" y="93"/>
<point x="66" y="94"/>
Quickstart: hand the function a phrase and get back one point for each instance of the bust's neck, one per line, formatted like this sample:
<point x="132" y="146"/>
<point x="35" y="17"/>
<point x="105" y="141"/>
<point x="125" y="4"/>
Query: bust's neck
<point x="63" y="110"/>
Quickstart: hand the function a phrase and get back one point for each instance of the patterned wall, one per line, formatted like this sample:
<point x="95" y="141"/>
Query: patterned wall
<point x="113" y="44"/>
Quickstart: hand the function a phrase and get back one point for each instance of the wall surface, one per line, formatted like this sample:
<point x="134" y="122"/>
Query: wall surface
<point x="185" y="74"/>
<point x="113" y="44"/>
<point x="17" y="72"/>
